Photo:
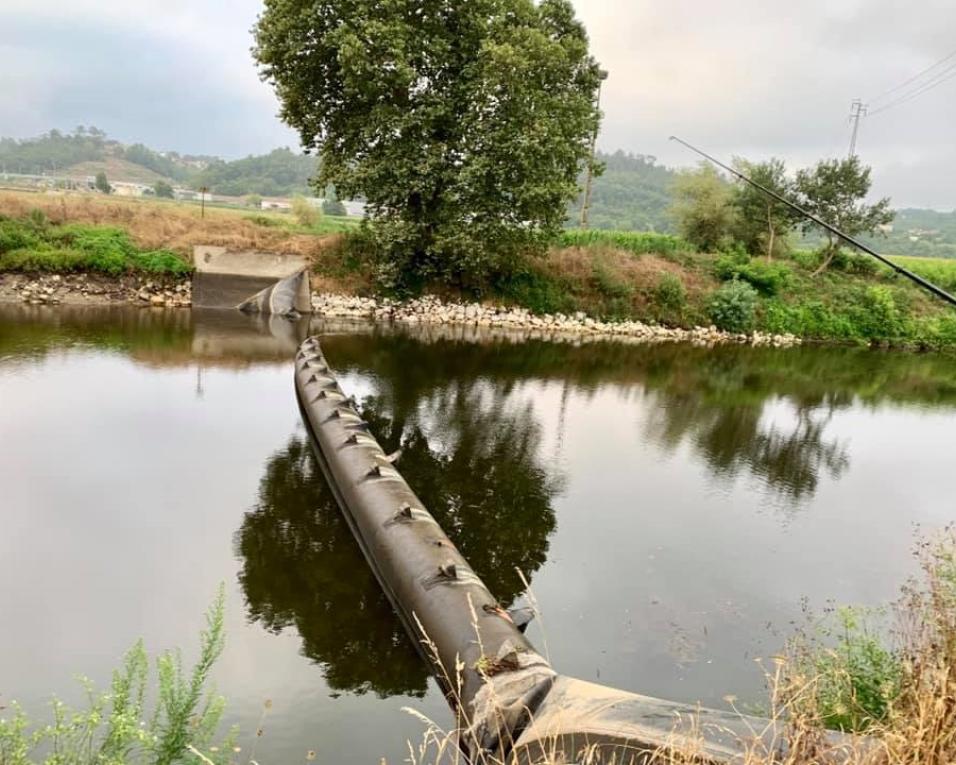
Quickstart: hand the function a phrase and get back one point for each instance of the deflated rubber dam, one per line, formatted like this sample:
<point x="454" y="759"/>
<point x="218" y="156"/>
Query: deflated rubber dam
<point x="510" y="704"/>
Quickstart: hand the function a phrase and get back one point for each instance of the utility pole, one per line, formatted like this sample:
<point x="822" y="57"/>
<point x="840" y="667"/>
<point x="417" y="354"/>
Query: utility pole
<point x="202" y="200"/>
<point x="588" y="184"/>
<point x="859" y="111"/>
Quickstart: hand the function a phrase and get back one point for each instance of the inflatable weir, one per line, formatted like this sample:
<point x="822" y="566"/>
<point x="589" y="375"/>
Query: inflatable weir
<point x="507" y="699"/>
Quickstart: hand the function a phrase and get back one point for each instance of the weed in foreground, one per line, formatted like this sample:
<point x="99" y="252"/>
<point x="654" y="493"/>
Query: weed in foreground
<point x="118" y="727"/>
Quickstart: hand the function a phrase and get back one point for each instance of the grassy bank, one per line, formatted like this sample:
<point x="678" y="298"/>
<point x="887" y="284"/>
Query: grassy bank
<point x="609" y="275"/>
<point x="176" y="226"/>
<point x="35" y="245"/>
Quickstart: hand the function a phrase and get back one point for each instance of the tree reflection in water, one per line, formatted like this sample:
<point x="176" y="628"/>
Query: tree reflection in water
<point x="302" y="568"/>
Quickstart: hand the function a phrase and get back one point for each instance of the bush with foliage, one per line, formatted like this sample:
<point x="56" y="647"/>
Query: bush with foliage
<point x="163" y="190"/>
<point x="733" y="306"/>
<point x="34" y="245"/>
<point x="305" y="213"/>
<point x="766" y="277"/>
<point x="702" y="208"/>
<point x="878" y="315"/>
<point x="670" y="295"/>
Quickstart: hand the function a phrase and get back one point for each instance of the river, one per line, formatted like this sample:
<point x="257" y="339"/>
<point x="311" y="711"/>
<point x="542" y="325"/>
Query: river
<point x="675" y="508"/>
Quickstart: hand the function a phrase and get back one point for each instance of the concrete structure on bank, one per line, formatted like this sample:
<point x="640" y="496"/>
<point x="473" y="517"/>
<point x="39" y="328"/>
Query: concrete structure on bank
<point x="259" y="282"/>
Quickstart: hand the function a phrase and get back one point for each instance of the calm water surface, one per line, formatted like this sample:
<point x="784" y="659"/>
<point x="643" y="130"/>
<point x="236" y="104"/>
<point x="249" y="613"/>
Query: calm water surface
<point x="672" y="506"/>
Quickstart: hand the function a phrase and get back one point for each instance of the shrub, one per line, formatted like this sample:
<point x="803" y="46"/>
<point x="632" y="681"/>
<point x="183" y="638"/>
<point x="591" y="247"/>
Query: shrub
<point x="537" y="291"/>
<point x="670" y="295"/>
<point x="610" y="285"/>
<point x="732" y="307"/>
<point x="14" y="236"/>
<point x="334" y="208"/>
<point x="878" y="315"/>
<point x="854" y="263"/>
<point x="304" y="212"/>
<point x="766" y="277"/>
<point x="161" y="262"/>
<point x="857" y="677"/>
<point x="23" y="247"/>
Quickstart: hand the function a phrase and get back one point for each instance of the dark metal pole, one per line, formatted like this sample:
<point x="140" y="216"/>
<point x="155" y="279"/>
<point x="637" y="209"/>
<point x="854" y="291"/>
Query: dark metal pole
<point x="924" y="283"/>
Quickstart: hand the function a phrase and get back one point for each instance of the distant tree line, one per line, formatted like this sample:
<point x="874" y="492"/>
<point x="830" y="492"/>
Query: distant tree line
<point x="281" y="172"/>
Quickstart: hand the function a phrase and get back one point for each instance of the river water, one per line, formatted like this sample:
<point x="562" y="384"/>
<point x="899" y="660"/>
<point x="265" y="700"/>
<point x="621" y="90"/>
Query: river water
<point x="675" y="508"/>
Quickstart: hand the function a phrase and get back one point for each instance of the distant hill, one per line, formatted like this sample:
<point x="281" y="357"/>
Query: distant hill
<point x="279" y="173"/>
<point x="116" y="169"/>
<point x="88" y="151"/>
<point x="921" y="233"/>
<point x="633" y="194"/>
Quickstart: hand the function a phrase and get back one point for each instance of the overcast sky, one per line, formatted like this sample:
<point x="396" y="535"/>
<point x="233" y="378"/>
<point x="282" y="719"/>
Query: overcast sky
<point x="738" y="77"/>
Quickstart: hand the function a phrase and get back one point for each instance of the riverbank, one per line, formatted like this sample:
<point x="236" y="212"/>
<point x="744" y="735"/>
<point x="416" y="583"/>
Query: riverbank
<point x="96" y="289"/>
<point x="430" y="310"/>
<point x="615" y="284"/>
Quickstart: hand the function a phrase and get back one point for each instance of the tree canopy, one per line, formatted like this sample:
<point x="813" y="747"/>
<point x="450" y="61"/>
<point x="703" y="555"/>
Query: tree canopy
<point x="835" y="190"/>
<point x="762" y="223"/>
<point x="702" y="208"/>
<point x="463" y="124"/>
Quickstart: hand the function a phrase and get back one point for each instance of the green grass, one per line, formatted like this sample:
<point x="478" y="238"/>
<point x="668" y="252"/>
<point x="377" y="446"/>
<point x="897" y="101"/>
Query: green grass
<point x="940" y="271"/>
<point x="326" y="224"/>
<point x="36" y="245"/>
<point x="636" y="242"/>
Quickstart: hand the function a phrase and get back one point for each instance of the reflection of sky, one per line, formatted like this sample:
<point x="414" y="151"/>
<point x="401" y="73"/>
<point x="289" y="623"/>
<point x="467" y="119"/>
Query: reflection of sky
<point x="122" y="493"/>
<point x="123" y="490"/>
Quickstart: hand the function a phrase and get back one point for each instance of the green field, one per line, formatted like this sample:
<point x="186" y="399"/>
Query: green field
<point x="940" y="271"/>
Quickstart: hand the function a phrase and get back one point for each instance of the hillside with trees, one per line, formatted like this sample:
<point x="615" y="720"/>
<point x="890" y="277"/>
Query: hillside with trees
<point x="88" y="151"/>
<point x="281" y="172"/>
<point x="633" y="193"/>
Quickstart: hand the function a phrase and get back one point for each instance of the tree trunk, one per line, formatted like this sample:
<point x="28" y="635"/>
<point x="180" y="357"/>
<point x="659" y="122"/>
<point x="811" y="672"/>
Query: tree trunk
<point x="772" y="234"/>
<point x="827" y="258"/>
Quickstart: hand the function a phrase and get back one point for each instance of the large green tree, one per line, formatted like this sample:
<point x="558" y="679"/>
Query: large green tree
<point x="762" y="223"/>
<point x="835" y="190"/>
<point x="463" y="123"/>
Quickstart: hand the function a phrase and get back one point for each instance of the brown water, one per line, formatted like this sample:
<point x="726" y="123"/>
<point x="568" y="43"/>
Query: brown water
<point x="672" y="506"/>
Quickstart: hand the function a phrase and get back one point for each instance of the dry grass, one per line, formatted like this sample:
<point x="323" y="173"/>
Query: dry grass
<point x="166" y="225"/>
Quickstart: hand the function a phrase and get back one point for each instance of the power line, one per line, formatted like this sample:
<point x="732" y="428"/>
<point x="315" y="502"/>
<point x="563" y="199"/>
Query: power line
<point x="915" y="77"/>
<point x="938" y="79"/>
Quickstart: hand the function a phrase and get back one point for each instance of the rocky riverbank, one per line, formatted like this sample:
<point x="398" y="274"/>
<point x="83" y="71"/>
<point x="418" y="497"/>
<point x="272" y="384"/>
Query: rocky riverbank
<point x="432" y="311"/>
<point x="93" y="289"/>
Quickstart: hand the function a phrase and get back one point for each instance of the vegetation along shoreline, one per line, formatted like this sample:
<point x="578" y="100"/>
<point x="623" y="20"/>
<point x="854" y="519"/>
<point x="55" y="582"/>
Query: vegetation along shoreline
<point x="80" y="250"/>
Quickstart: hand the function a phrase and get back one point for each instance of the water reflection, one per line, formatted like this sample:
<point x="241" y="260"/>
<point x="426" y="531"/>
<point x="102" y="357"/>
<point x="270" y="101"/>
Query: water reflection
<point x="715" y="400"/>
<point x="789" y="458"/>
<point x="302" y="568"/>
<point x="156" y="338"/>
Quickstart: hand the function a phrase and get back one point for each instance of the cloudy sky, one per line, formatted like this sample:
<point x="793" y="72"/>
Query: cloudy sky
<point x="754" y="78"/>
